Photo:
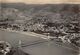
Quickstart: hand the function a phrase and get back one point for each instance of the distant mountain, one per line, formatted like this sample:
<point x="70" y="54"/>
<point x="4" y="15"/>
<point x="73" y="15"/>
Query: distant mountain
<point x="23" y="6"/>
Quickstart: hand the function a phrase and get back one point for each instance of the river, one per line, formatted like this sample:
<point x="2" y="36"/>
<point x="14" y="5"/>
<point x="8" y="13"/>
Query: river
<point x="36" y="45"/>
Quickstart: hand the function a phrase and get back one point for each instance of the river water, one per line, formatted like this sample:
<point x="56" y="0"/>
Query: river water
<point x="38" y="46"/>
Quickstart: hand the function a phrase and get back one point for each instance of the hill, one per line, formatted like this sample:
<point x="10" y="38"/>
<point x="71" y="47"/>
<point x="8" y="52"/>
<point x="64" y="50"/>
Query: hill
<point x="36" y="16"/>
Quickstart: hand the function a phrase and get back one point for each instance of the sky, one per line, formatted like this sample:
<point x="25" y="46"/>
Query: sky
<point x="41" y="1"/>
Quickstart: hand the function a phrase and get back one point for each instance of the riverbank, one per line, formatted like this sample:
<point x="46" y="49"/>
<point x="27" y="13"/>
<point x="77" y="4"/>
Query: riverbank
<point x="27" y="33"/>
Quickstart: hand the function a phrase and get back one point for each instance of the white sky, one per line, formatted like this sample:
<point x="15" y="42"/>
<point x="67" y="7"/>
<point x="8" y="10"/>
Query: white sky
<point x="42" y="1"/>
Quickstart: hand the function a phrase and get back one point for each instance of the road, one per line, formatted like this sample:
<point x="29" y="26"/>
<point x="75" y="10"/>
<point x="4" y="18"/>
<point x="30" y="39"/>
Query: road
<point x="36" y="45"/>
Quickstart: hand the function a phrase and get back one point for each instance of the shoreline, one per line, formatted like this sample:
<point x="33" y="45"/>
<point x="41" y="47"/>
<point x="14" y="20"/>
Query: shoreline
<point x="27" y="33"/>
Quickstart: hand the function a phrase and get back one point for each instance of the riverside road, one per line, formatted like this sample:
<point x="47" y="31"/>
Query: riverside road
<point x="37" y="46"/>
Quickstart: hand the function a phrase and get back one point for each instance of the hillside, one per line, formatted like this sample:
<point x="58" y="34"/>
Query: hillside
<point x="30" y="16"/>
